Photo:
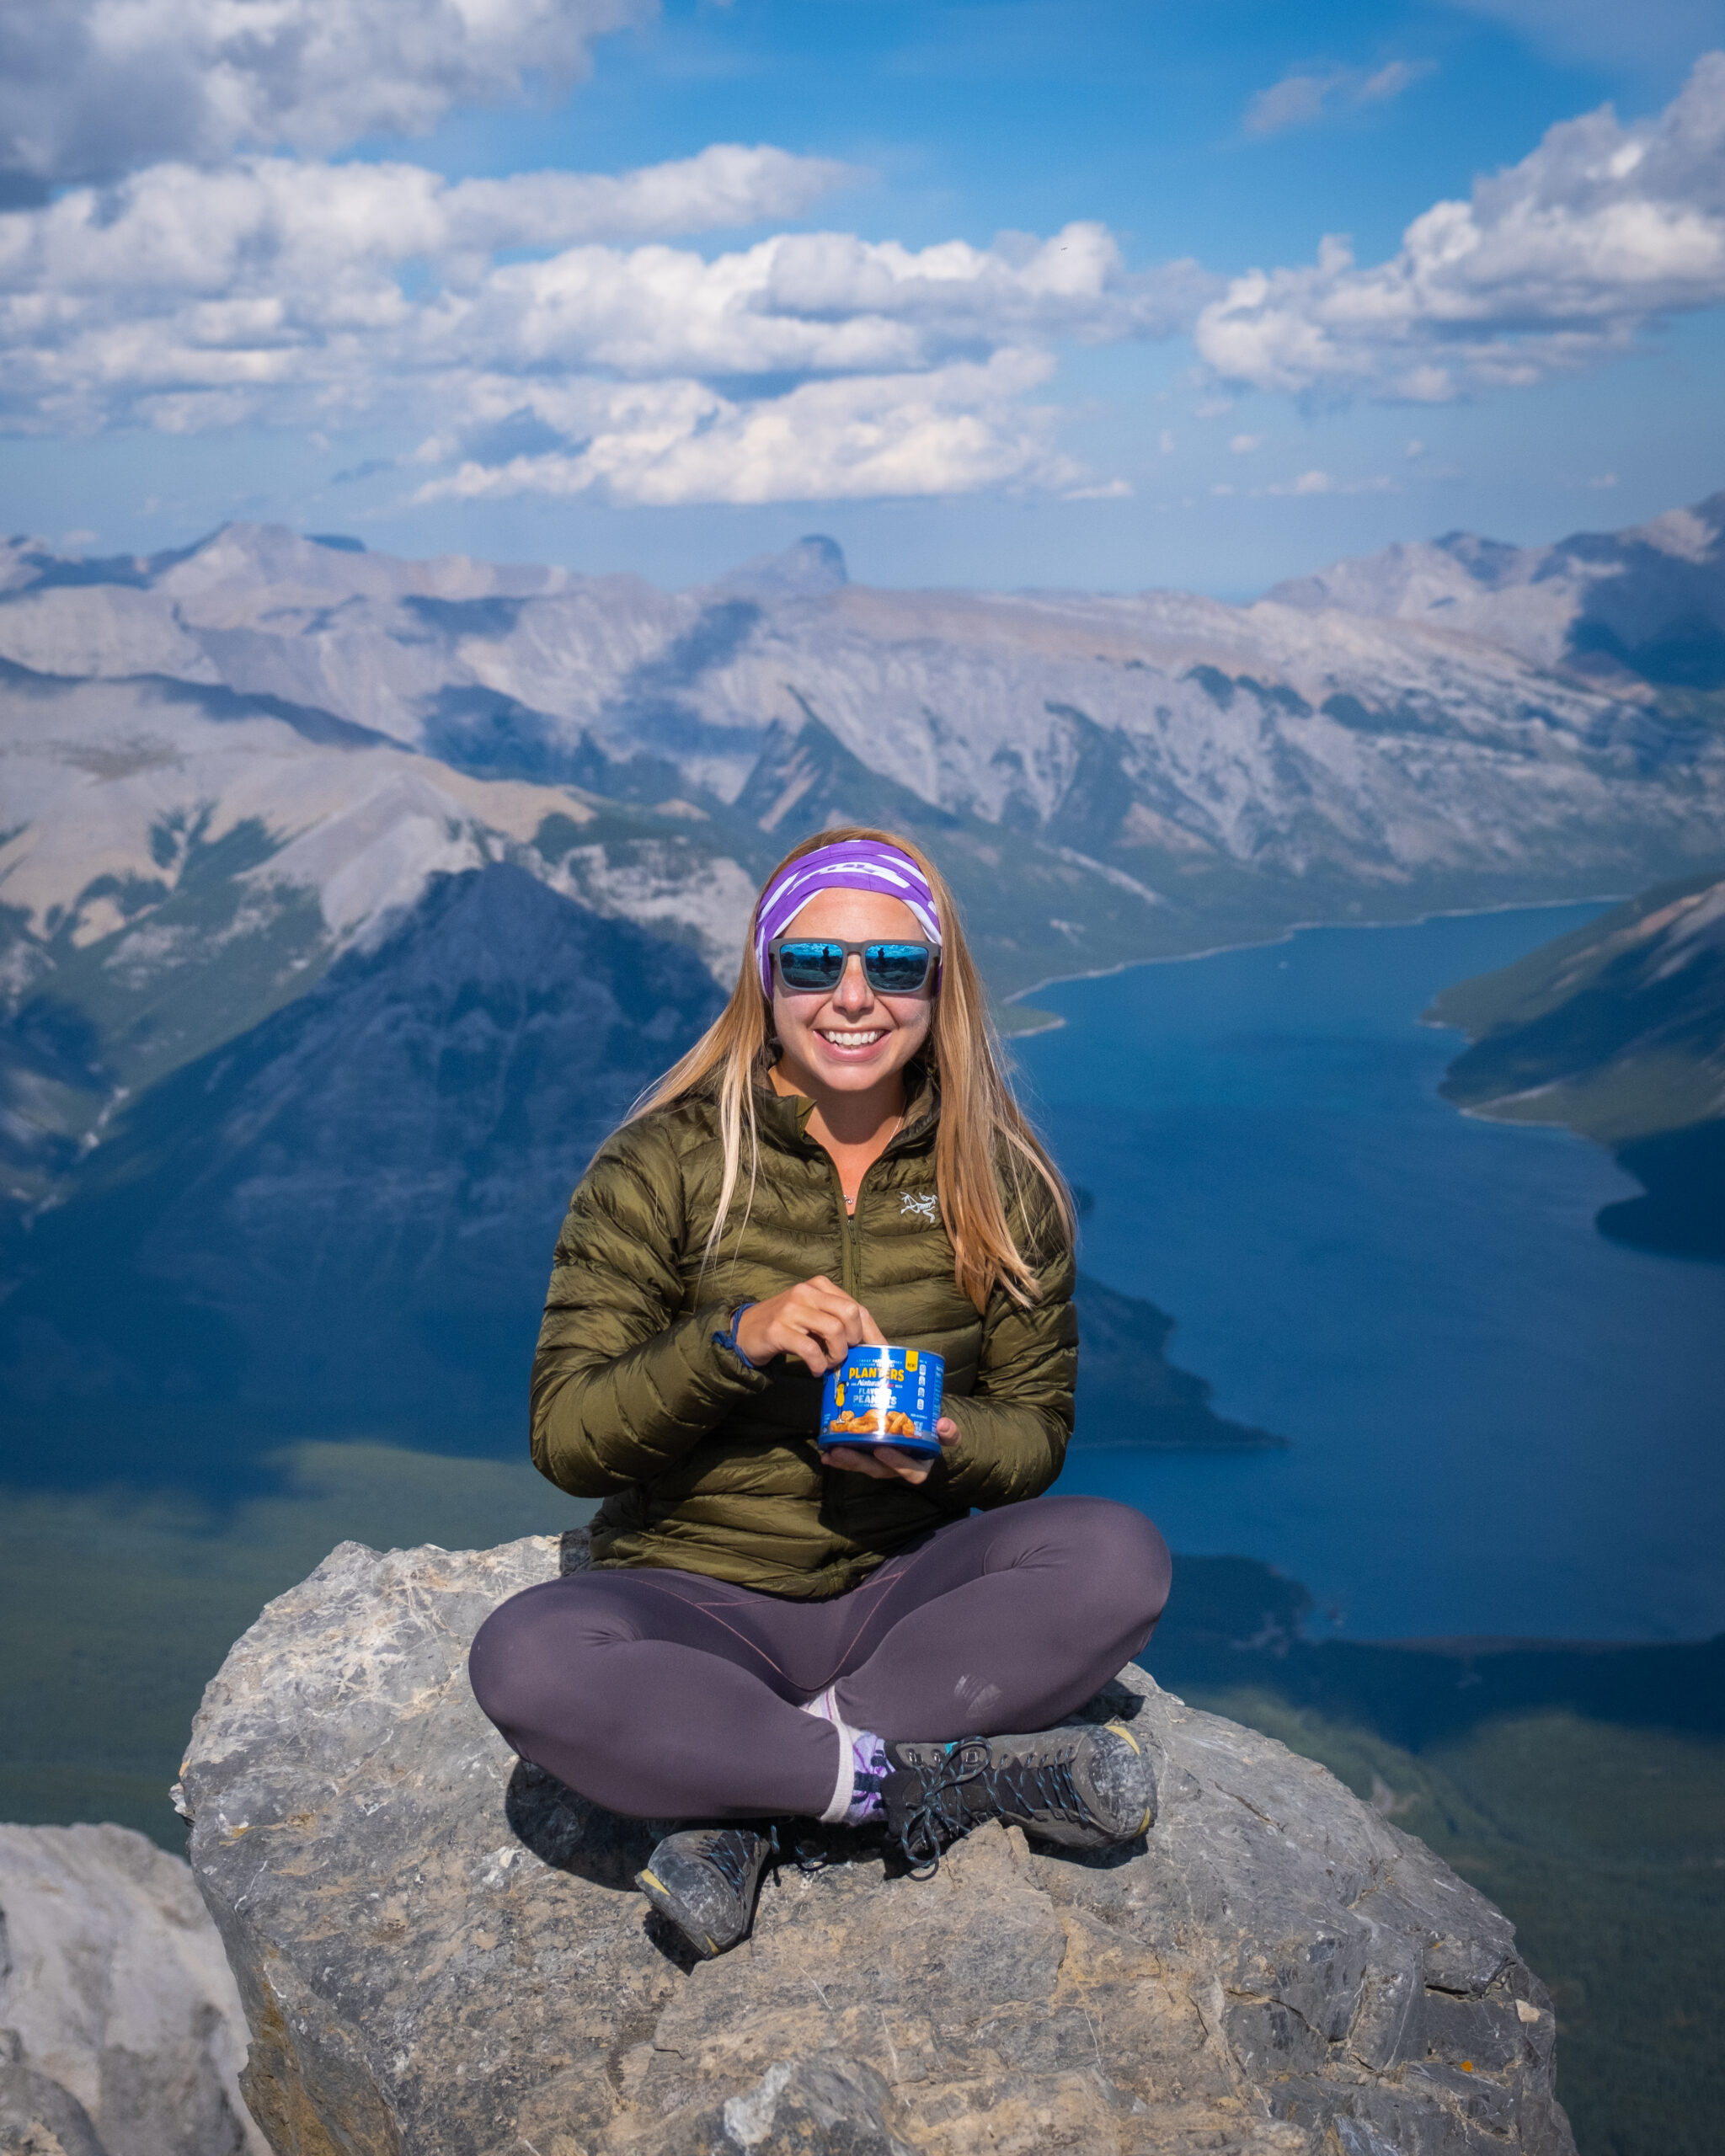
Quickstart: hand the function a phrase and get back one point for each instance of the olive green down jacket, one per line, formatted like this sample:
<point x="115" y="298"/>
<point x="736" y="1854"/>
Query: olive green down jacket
<point x="709" y="1467"/>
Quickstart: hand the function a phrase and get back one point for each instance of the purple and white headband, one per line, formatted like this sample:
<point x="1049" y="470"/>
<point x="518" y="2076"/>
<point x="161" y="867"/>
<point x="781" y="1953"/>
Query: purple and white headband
<point x="850" y="865"/>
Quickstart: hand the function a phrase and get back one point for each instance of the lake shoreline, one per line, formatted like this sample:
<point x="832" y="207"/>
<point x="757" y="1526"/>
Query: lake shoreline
<point x="1287" y="936"/>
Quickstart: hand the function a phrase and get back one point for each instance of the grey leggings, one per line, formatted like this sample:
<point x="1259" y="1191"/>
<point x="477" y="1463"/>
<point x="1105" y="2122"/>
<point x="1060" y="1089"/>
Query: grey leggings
<point x="669" y="1695"/>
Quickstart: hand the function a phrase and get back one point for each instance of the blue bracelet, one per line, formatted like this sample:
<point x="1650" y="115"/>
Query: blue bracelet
<point x="729" y="1339"/>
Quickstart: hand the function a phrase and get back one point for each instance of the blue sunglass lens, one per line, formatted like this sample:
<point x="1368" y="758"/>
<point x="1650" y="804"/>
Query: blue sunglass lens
<point x="810" y="965"/>
<point x="896" y="968"/>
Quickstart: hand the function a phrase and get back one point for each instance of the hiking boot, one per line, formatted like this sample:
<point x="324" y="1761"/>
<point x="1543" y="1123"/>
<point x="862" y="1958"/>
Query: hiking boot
<point x="1084" y="1787"/>
<point x="705" y="1880"/>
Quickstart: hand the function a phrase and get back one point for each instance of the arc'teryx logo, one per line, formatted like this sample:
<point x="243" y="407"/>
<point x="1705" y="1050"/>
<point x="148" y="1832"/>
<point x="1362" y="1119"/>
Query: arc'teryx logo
<point x="922" y="1205"/>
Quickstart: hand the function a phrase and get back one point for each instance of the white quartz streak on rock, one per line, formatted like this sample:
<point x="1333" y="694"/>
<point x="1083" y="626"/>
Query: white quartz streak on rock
<point x="441" y="1953"/>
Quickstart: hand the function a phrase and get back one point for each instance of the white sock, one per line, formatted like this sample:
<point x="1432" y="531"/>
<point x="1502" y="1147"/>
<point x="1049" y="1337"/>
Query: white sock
<point x="862" y="1767"/>
<point x="856" y="1794"/>
<point x="822" y="1707"/>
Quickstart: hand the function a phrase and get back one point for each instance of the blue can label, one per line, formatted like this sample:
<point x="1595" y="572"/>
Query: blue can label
<point x="882" y="1395"/>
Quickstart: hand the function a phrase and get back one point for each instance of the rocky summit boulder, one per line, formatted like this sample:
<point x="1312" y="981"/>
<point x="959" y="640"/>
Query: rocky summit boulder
<point x="441" y="1952"/>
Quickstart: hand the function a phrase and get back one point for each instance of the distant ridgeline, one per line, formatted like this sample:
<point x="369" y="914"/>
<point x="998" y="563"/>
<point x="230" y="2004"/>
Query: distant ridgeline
<point x="346" y="902"/>
<point x="1617" y="1031"/>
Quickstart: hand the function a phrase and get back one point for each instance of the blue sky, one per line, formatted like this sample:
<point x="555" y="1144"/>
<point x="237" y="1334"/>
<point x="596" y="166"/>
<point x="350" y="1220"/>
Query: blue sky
<point x="973" y="291"/>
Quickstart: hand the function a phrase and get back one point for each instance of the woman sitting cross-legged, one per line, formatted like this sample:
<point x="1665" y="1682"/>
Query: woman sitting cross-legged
<point x="857" y="1634"/>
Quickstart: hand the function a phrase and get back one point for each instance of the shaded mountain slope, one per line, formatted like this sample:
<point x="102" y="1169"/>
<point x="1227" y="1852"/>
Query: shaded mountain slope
<point x="345" y="1217"/>
<point x="1617" y="1031"/>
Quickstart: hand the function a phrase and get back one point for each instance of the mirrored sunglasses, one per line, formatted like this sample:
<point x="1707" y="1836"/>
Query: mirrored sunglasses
<point x="809" y="963"/>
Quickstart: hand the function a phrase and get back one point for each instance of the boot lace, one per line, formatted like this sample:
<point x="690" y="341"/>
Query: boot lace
<point x="964" y="1788"/>
<point x="1039" y="1792"/>
<point x="940" y="1814"/>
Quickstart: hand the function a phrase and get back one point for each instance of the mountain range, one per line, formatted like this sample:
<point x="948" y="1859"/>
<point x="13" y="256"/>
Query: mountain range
<point x="345" y="901"/>
<point x="1621" y="608"/>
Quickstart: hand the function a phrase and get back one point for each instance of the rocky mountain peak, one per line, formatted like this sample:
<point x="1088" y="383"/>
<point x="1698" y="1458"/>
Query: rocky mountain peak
<point x="810" y="569"/>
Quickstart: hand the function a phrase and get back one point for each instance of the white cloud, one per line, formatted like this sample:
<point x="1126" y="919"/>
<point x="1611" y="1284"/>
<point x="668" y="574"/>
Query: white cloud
<point x="1296" y="101"/>
<point x="540" y="332"/>
<point x="1300" y="100"/>
<point x="191" y="278"/>
<point x="281" y="227"/>
<point x="1389" y="81"/>
<point x="812" y="302"/>
<point x="282" y="292"/>
<point x="950" y="431"/>
<point x="726" y="184"/>
<point x="1321" y="482"/>
<point x="194" y="299"/>
<point x="1165" y="441"/>
<point x="91" y="88"/>
<point x="1555" y="262"/>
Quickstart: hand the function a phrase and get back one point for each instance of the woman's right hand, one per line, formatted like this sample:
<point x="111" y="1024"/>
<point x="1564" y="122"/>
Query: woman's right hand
<point x="815" y="1321"/>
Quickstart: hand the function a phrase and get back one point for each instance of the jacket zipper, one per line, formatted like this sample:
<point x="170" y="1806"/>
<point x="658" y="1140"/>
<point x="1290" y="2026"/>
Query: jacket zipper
<point x="850" y="1260"/>
<point x="849" y="1271"/>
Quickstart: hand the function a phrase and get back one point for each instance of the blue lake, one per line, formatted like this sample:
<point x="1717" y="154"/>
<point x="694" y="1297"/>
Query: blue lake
<point x="1499" y="1422"/>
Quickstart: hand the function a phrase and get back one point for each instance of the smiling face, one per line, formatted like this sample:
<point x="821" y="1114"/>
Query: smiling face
<point x="849" y="1038"/>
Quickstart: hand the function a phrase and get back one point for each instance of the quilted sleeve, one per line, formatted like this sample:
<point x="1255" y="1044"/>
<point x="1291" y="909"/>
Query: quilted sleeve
<point x="624" y="1381"/>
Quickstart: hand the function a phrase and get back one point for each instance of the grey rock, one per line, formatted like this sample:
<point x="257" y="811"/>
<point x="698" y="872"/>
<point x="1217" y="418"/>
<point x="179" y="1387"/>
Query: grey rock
<point x="121" y="2027"/>
<point x="37" y="2117"/>
<point x="441" y="1952"/>
<point x="830" y="2102"/>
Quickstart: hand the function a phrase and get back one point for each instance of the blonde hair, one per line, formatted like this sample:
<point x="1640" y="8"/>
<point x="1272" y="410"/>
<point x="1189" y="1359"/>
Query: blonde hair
<point x="987" y="1156"/>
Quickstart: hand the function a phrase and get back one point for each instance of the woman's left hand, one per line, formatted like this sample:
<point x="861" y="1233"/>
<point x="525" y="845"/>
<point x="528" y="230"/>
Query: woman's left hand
<point x="885" y="1463"/>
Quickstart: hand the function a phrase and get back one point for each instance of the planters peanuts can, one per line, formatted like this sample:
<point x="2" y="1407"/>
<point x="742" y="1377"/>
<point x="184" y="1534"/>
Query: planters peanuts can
<point x="882" y="1395"/>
